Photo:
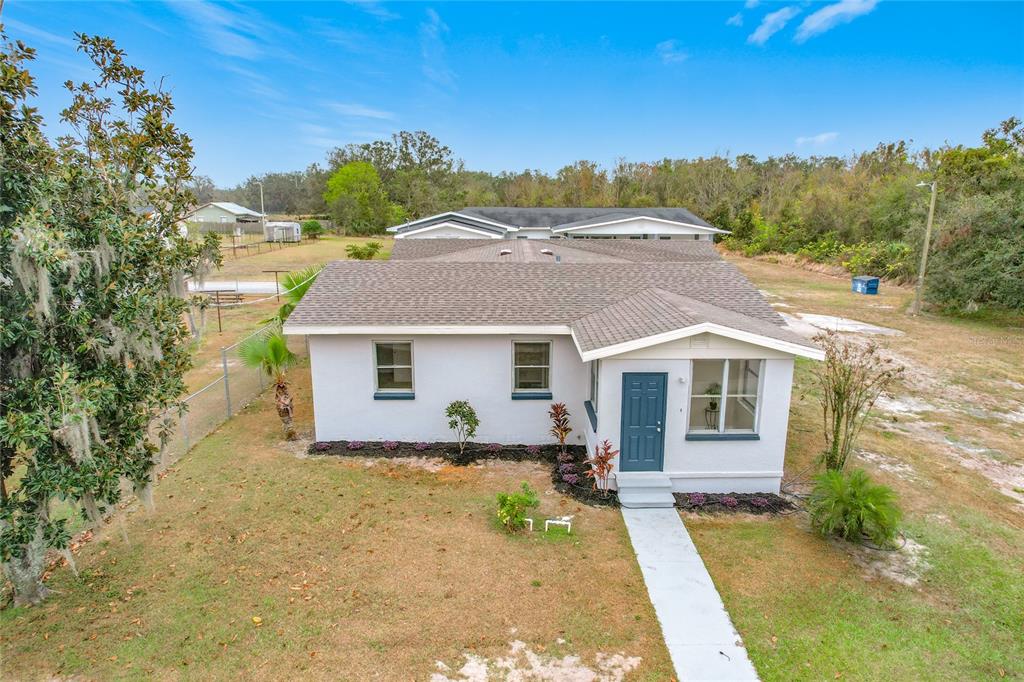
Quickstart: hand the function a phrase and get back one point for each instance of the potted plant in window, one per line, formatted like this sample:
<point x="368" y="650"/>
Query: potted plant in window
<point x="714" y="392"/>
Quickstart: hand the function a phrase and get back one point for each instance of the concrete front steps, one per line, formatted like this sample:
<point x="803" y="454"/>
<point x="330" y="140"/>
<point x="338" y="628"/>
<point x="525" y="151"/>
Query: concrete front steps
<point x="644" y="489"/>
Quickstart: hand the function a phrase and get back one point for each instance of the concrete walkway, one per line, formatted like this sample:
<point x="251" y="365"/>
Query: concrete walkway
<point x="700" y="637"/>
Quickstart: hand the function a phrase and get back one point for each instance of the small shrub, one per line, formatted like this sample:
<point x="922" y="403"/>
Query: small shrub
<point x="421" y="446"/>
<point x="355" y="445"/>
<point x="854" y="508"/>
<point x="363" y="252"/>
<point x="566" y="457"/>
<point x="560" y="428"/>
<point x="533" y="450"/>
<point x="512" y="507"/>
<point x="571" y="479"/>
<point x="493" y="447"/>
<point x="312" y="229"/>
<point x="566" y="468"/>
<point x="698" y="499"/>
<point x="601" y="464"/>
<point x="759" y="502"/>
<point x="321" y="446"/>
<point x="462" y="420"/>
<point x="730" y="501"/>
<point x="389" y="445"/>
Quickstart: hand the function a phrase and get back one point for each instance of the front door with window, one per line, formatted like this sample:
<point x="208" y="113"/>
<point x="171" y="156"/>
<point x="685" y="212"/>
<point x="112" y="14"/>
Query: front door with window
<point x="643" y="421"/>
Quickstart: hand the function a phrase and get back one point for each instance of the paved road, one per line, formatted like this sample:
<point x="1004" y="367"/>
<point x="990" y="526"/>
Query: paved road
<point x="699" y="635"/>
<point x="234" y="285"/>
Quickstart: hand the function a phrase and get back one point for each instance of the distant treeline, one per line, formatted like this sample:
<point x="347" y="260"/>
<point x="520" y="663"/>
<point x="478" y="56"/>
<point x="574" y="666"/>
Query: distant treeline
<point x="865" y="212"/>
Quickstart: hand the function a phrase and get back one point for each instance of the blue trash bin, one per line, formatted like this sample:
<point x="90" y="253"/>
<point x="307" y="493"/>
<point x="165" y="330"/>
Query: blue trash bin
<point x="865" y="284"/>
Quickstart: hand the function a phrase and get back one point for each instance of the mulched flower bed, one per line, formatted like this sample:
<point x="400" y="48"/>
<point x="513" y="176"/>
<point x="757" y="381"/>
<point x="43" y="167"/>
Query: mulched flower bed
<point x="449" y="452"/>
<point x="569" y="477"/>
<point x="733" y="503"/>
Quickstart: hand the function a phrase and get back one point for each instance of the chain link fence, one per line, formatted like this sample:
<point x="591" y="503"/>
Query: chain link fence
<point x="214" y="403"/>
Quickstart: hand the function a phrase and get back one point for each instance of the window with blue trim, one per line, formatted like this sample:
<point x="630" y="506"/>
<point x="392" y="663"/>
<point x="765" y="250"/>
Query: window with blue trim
<point x="393" y="366"/>
<point x="724" y="396"/>
<point x="531" y="366"/>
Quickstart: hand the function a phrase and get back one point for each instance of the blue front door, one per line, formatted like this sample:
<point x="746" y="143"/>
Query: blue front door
<point x="643" y="421"/>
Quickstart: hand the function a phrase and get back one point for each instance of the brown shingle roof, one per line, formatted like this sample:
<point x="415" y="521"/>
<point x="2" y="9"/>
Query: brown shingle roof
<point x="571" y="250"/>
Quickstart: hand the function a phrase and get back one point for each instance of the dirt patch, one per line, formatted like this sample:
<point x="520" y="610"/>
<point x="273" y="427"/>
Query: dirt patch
<point x="808" y="324"/>
<point x="889" y="464"/>
<point x="903" y="405"/>
<point x="523" y="663"/>
<point x="905" y="565"/>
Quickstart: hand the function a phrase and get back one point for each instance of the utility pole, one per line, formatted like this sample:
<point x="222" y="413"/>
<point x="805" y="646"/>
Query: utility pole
<point x="916" y="308"/>
<point x="263" y="213"/>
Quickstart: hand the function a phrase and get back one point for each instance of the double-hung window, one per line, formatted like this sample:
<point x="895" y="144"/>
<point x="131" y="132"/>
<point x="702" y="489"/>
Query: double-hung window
<point x="531" y="369"/>
<point x="393" y="368"/>
<point x="724" y="396"/>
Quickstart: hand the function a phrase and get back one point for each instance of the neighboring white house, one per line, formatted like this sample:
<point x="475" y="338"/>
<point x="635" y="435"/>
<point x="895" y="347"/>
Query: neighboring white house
<point x="661" y="347"/>
<point x="223" y="212"/>
<point x="502" y="222"/>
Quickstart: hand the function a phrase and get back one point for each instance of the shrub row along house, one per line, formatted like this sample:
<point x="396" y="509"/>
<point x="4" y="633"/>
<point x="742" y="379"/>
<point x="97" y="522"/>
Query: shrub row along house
<point x="659" y="346"/>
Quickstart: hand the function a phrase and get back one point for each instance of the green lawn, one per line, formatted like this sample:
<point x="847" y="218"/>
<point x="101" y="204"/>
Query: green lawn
<point x="355" y="572"/>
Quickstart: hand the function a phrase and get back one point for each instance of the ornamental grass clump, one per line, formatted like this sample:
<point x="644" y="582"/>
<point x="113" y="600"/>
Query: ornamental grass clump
<point x="697" y="499"/>
<point x="389" y="445"/>
<point x="421" y="446"/>
<point x="355" y="445"/>
<point x="533" y="450"/>
<point x="512" y="507"/>
<point x="852" y="507"/>
<point x="730" y="501"/>
<point x="493" y="448"/>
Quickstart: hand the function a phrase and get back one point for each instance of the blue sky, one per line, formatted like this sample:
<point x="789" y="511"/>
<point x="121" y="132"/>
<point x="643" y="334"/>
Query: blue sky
<point x="272" y="86"/>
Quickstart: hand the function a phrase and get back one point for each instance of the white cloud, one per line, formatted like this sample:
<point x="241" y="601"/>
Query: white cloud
<point x="374" y="8"/>
<point x="830" y="16"/>
<point x="772" y="23"/>
<point x="361" y="111"/>
<point x="816" y="140"/>
<point x="432" y="48"/>
<point x="670" y="52"/>
<point x="751" y="4"/>
<point x="735" y="20"/>
<point x="18" y="29"/>
<point x="230" y="30"/>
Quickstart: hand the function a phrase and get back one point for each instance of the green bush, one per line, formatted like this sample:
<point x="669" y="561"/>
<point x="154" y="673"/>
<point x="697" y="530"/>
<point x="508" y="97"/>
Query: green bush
<point x="822" y="250"/>
<point x="363" y="251"/>
<point x="312" y="229"/>
<point x="891" y="260"/>
<point x="854" y="508"/>
<point x="512" y="507"/>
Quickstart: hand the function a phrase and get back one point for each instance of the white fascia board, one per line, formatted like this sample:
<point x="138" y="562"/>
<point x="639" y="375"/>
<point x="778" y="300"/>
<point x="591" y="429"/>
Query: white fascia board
<point x="396" y="228"/>
<point x="641" y="217"/>
<point x="720" y="330"/>
<point x="437" y="226"/>
<point x="313" y="329"/>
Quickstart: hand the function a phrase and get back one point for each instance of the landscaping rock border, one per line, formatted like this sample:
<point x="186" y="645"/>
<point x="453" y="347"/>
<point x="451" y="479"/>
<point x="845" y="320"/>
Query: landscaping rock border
<point x="734" y="503"/>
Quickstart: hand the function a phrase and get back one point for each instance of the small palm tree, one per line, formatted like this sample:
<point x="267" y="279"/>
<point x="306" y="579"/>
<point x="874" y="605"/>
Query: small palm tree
<point x="268" y="352"/>
<point x="294" y="286"/>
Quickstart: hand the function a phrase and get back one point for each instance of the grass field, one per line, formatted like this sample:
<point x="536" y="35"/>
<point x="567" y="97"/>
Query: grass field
<point x="355" y="570"/>
<point x="309" y="252"/>
<point x="811" y="609"/>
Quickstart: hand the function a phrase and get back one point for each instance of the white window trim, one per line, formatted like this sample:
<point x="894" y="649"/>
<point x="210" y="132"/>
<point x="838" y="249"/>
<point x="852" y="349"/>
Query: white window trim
<point x="546" y="389"/>
<point x="723" y="398"/>
<point x="412" y="366"/>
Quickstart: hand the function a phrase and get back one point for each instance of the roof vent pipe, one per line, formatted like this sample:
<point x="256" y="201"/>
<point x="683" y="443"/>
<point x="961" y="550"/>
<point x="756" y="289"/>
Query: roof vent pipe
<point x="546" y="252"/>
<point x="505" y="252"/>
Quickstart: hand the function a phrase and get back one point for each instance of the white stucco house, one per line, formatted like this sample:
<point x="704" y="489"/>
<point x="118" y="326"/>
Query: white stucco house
<point x="661" y="347"/>
<point x="501" y="222"/>
<point x="223" y="212"/>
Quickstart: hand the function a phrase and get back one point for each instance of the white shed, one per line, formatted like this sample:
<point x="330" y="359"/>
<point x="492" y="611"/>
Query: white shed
<point x="282" y="231"/>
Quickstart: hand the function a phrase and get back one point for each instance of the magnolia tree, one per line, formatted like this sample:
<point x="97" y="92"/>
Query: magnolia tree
<point x="93" y="344"/>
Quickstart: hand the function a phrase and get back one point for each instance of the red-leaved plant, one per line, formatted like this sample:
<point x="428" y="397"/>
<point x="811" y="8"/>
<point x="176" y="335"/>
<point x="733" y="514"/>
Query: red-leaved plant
<point x="560" y="428"/>
<point x="601" y="465"/>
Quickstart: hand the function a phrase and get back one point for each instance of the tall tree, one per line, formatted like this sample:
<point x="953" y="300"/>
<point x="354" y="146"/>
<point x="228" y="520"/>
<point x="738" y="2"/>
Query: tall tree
<point x="93" y="345"/>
